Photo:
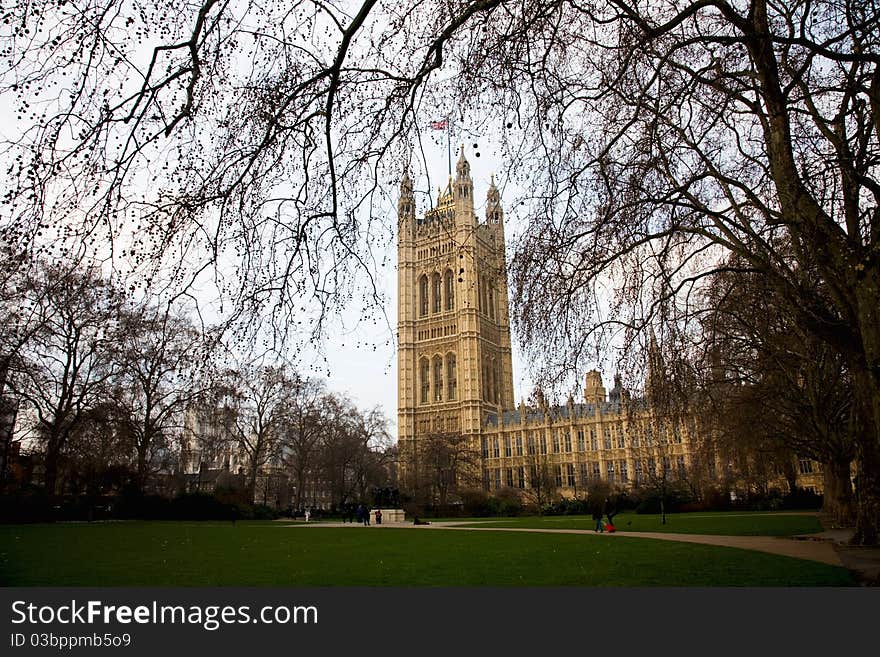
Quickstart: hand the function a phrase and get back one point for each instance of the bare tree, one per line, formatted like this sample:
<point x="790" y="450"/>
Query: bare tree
<point x="65" y="366"/>
<point x="770" y="386"/>
<point x="261" y="396"/>
<point x="302" y="433"/>
<point x="449" y="464"/>
<point x="157" y="353"/>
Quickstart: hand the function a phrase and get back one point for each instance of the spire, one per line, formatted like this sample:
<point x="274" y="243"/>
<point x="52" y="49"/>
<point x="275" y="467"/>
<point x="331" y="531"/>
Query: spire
<point x="462" y="167"/>
<point x="492" y="196"/>
<point x="406" y="187"/>
<point x="406" y="207"/>
<point x="494" y="213"/>
<point x="656" y="374"/>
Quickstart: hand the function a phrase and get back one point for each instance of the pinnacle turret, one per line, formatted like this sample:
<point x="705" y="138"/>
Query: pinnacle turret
<point x="462" y="167"/>
<point x="406" y="205"/>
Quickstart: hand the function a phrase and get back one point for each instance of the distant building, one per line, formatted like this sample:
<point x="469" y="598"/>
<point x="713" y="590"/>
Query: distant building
<point x="455" y="373"/>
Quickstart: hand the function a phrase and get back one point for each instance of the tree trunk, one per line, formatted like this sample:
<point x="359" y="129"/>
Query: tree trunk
<point x="867" y="406"/>
<point x="838" y="497"/>
<point x="251" y="485"/>
<point x="141" y="467"/>
<point x="50" y="470"/>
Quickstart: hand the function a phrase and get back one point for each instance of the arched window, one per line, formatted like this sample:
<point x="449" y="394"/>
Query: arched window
<point x="424" y="379"/>
<point x="451" y="377"/>
<point x="450" y="290"/>
<point x="438" y="378"/>
<point x="423" y="295"/>
<point x="492" y="300"/>
<point x="435" y="293"/>
<point x="493" y="392"/>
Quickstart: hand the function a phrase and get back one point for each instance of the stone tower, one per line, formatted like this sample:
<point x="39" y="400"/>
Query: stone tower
<point x="454" y="357"/>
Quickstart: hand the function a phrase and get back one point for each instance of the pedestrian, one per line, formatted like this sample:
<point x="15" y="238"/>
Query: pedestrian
<point x="366" y="517"/>
<point x="351" y="513"/>
<point x="308" y="514"/>
<point x="378" y="516"/>
<point x="612" y="509"/>
<point x="598" y="511"/>
<point x="360" y="513"/>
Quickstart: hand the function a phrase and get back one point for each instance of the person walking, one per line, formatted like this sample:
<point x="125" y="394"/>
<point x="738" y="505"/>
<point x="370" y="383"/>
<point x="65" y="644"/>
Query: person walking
<point x="360" y="513"/>
<point x="613" y="508"/>
<point x="598" y="511"/>
<point x="378" y="516"/>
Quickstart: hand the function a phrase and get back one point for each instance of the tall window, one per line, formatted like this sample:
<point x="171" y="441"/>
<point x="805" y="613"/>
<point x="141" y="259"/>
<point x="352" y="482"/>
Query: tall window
<point x="542" y="443"/>
<point x="507" y="451"/>
<point x="493" y="395"/>
<point x="606" y="438"/>
<point x="555" y="440"/>
<point x="435" y="293"/>
<point x="594" y="445"/>
<point x="624" y="472"/>
<point x="567" y="441"/>
<point x="424" y="379"/>
<point x="569" y="471"/>
<point x="450" y="290"/>
<point x="423" y="295"/>
<point x="492" y="301"/>
<point x="438" y="379"/>
<point x="451" y="377"/>
<point x="519" y="450"/>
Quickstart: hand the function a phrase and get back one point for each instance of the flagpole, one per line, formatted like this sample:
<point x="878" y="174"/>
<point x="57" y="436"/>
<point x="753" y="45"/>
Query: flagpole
<point x="448" y="146"/>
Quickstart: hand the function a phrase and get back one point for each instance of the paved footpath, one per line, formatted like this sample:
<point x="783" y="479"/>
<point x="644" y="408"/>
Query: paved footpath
<point x="827" y="547"/>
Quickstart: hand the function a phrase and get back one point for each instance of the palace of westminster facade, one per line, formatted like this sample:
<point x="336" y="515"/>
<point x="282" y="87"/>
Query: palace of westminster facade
<point x="455" y="375"/>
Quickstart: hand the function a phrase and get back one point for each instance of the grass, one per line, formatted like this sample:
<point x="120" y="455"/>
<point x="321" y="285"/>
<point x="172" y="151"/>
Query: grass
<point x="272" y="554"/>
<point x="727" y="523"/>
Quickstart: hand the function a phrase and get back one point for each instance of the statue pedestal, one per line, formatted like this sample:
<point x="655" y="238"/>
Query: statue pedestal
<point x="389" y="516"/>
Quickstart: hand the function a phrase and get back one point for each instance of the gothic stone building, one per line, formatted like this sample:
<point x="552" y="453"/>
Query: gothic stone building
<point x="455" y="376"/>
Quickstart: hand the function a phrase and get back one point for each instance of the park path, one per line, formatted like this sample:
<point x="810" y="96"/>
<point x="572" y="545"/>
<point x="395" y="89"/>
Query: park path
<point x="814" y="547"/>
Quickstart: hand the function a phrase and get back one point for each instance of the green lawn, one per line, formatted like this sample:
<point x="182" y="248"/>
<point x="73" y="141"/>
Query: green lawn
<point x="272" y="554"/>
<point x="722" y="522"/>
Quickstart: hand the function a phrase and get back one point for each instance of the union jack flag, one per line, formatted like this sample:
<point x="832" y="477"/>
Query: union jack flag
<point x="440" y="125"/>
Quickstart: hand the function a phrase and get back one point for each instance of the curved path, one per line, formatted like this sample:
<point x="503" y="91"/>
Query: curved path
<point x="806" y="548"/>
<point x="814" y="547"/>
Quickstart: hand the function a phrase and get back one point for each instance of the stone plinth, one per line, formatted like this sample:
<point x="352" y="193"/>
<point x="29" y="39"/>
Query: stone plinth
<point x="389" y="516"/>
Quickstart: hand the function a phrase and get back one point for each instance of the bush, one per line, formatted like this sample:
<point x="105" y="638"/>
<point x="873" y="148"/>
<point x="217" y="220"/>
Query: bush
<point x="675" y="499"/>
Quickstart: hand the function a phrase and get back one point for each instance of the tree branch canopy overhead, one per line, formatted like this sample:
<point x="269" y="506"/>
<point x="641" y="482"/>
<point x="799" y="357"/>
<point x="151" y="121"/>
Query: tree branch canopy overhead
<point x="256" y="143"/>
